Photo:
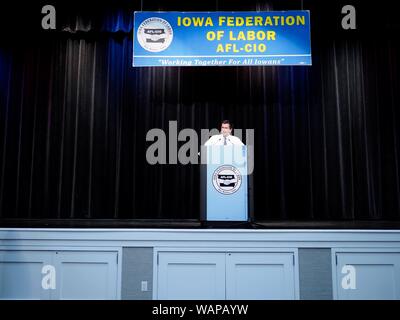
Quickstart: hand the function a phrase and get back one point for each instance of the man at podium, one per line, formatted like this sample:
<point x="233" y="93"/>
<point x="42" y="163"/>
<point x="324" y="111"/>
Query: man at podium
<point x="225" y="137"/>
<point x="224" y="178"/>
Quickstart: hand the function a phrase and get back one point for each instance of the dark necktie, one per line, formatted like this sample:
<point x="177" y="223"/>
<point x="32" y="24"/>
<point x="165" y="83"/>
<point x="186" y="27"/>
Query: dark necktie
<point x="224" y="141"/>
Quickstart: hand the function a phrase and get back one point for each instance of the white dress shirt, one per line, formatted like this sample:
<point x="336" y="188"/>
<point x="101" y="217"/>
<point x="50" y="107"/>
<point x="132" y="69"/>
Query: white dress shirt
<point x="220" y="140"/>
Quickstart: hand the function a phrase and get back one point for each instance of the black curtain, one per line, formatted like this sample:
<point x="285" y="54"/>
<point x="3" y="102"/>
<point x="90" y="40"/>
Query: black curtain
<point x="74" y="116"/>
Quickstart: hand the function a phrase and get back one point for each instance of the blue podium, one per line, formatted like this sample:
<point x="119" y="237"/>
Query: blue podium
<point x="224" y="186"/>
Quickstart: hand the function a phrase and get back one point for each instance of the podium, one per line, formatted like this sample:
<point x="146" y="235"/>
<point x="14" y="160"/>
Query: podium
<point x="224" y="183"/>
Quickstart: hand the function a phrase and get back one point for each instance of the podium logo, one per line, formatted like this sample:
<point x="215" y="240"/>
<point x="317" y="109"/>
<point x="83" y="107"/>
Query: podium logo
<point x="227" y="179"/>
<point x="155" y="34"/>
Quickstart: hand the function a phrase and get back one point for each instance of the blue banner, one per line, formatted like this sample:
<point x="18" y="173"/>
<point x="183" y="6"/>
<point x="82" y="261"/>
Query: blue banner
<point x="222" y="38"/>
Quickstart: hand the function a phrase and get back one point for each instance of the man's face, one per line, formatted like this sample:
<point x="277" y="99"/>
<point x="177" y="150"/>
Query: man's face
<point x="226" y="129"/>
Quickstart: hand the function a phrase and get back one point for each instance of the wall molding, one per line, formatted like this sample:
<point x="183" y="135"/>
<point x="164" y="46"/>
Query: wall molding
<point x="198" y="238"/>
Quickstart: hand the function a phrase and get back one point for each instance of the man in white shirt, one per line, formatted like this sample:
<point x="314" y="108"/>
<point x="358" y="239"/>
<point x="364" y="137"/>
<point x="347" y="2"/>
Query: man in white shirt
<point x="225" y="138"/>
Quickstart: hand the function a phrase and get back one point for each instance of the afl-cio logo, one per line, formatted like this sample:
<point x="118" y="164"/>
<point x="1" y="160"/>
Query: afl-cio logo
<point x="155" y="34"/>
<point x="227" y="179"/>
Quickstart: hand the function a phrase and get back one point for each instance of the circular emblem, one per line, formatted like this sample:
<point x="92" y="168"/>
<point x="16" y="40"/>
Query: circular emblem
<point x="155" y="34"/>
<point x="227" y="179"/>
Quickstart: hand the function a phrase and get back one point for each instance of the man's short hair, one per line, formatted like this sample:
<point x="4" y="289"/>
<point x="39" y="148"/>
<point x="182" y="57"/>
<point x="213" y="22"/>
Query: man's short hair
<point x="227" y="122"/>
